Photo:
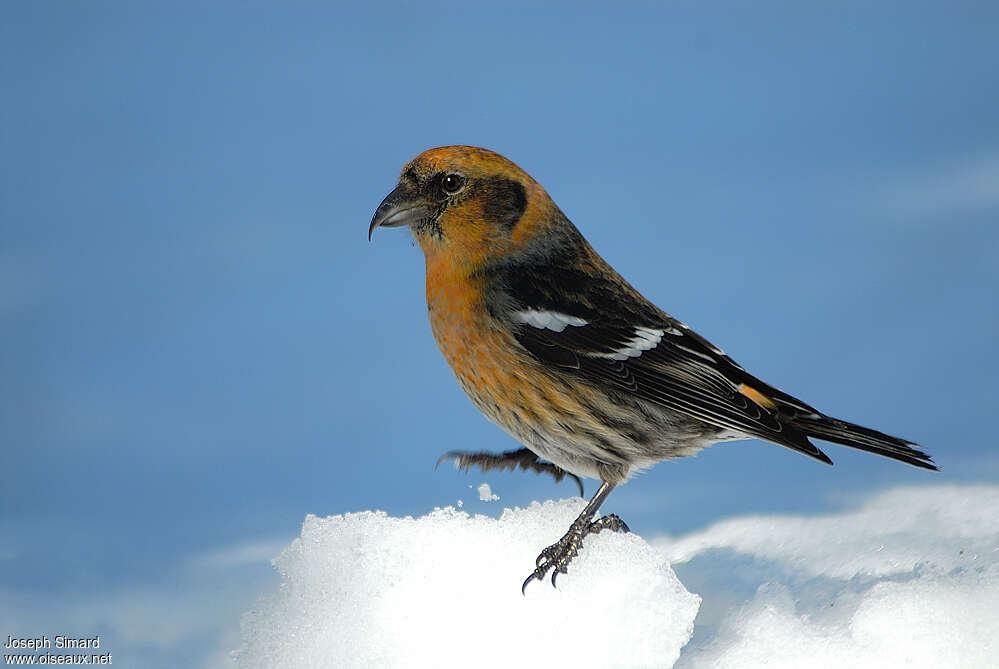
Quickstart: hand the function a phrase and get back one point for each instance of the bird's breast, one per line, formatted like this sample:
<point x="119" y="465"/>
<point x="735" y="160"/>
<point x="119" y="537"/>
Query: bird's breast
<point x="474" y="345"/>
<point x="552" y="416"/>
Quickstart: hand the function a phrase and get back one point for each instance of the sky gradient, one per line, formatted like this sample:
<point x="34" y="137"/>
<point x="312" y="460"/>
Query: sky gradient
<point x="198" y="346"/>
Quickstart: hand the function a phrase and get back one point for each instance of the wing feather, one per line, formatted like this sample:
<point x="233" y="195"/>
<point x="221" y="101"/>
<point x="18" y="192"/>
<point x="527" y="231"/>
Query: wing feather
<point x="612" y="339"/>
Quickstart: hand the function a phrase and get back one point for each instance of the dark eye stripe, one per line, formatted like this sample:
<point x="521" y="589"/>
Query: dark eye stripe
<point x="505" y="200"/>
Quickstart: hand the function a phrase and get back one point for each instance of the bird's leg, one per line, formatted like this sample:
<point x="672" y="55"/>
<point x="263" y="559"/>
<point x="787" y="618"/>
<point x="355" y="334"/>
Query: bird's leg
<point x="523" y="458"/>
<point x="556" y="558"/>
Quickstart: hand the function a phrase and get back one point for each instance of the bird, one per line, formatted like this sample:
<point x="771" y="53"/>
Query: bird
<point x="556" y="348"/>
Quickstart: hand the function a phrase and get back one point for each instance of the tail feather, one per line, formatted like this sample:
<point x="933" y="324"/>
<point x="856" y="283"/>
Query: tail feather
<point x="863" y="438"/>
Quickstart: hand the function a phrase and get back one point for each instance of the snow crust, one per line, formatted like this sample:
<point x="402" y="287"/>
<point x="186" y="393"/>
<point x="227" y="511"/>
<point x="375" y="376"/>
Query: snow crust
<point x="486" y="493"/>
<point x="907" y="577"/>
<point x="369" y="590"/>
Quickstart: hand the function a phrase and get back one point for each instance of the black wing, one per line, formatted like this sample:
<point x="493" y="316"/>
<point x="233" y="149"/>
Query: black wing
<point x="601" y="330"/>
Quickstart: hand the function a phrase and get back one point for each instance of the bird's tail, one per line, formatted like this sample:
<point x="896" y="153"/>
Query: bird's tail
<point x="863" y="438"/>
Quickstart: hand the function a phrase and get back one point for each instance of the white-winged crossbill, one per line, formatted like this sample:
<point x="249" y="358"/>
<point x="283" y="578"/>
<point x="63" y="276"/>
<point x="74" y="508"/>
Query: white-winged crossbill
<point x="552" y="345"/>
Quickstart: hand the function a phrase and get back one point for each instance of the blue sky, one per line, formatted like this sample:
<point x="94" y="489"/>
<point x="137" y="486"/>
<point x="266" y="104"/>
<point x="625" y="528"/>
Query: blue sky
<point x="198" y="346"/>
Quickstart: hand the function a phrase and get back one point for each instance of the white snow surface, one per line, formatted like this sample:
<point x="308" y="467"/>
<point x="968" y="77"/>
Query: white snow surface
<point x="907" y="578"/>
<point x="910" y="578"/>
<point x="369" y="590"/>
<point x="891" y="533"/>
<point x="486" y="493"/>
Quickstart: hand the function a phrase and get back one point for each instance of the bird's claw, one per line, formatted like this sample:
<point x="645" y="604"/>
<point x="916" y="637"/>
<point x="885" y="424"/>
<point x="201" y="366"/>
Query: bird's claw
<point x="510" y="460"/>
<point x="456" y="455"/>
<point x="556" y="558"/>
<point x="609" y="522"/>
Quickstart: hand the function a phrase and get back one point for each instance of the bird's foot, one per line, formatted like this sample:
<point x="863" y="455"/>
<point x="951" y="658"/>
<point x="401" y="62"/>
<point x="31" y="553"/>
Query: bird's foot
<point x="556" y="558"/>
<point x="523" y="458"/>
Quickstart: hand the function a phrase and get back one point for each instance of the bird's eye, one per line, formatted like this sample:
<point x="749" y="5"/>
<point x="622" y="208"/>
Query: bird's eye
<point x="452" y="183"/>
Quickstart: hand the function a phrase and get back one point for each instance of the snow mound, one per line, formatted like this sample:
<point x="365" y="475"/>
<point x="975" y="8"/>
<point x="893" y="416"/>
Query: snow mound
<point x="909" y="578"/>
<point x="369" y="590"/>
<point x="931" y="621"/>
<point x="890" y="533"/>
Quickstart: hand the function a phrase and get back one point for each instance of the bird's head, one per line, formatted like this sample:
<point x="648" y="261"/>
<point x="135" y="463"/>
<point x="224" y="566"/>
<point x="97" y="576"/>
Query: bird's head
<point x="466" y="204"/>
